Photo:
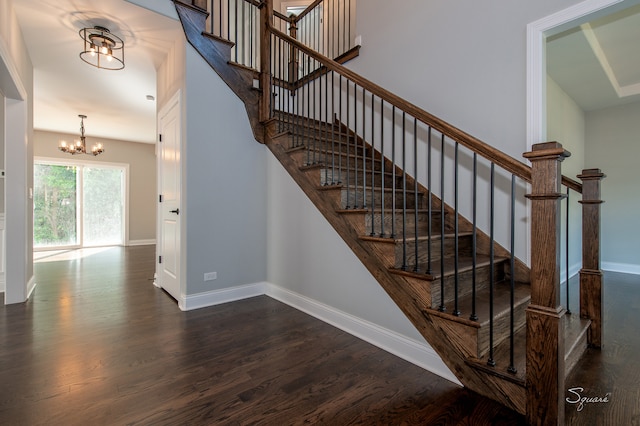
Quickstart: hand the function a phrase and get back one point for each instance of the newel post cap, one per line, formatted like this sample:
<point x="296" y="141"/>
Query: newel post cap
<point x="591" y="174"/>
<point x="547" y="151"/>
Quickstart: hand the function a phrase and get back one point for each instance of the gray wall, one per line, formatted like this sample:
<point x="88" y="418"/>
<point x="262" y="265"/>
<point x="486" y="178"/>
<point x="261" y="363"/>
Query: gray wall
<point x="142" y="175"/>
<point x="463" y="61"/>
<point x="613" y="145"/>
<point x="225" y="185"/>
<point x="307" y="257"/>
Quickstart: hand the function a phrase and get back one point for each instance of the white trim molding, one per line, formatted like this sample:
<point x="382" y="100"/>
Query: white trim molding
<point x="218" y="297"/>
<point x="537" y="33"/>
<point x="2" y="253"/>
<point x="417" y="353"/>
<point x="627" y="268"/>
<point x="149" y="242"/>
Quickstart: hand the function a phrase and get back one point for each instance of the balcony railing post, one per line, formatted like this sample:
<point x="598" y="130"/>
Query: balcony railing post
<point x="293" y="52"/>
<point x="545" y="335"/>
<point x="590" y="275"/>
<point x="266" y="17"/>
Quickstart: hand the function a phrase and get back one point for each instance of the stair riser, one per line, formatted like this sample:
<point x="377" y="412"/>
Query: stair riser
<point x="340" y="145"/>
<point x="399" y="220"/>
<point x="465" y="283"/>
<point x="355" y="198"/>
<point x="501" y="328"/>
<point x="464" y="249"/>
<point x="336" y="176"/>
<point x="303" y="157"/>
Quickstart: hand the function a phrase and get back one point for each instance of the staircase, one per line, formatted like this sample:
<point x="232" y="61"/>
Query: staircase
<point x="422" y="204"/>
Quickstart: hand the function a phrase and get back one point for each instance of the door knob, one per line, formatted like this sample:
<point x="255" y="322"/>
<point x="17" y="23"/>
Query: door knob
<point x="176" y="211"/>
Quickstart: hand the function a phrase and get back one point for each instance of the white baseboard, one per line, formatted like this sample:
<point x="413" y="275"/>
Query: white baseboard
<point x="573" y="270"/>
<point x="417" y="353"/>
<point x="141" y="242"/>
<point x="217" y="297"/>
<point x="626" y="268"/>
<point x="31" y="285"/>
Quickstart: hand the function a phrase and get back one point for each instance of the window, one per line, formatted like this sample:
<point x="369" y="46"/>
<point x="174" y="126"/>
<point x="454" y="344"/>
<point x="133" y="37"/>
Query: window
<point x="78" y="204"/>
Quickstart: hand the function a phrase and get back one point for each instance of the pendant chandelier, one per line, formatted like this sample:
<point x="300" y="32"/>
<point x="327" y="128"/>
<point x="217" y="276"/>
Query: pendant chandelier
<point x="79" y="146"/>
<point x="102" y="49"/>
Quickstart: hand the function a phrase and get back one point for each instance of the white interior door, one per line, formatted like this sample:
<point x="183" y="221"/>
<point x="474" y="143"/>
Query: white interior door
<point x="169" y="208"/>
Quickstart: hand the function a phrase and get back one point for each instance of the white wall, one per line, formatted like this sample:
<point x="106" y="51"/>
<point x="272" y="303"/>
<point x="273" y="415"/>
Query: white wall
<point x="16" y="84"/>
<point x="566" y="124"/>
<point x="613" y="145"/>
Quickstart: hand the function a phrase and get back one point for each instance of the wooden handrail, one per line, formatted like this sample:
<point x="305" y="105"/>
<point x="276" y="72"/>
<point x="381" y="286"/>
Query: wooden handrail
<point x="492" y="154"/>
<point x="282" y="16"/>
<point x="308" y="10"/>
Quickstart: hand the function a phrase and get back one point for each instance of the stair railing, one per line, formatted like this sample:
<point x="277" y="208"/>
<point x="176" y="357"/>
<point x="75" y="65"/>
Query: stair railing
<point x="405" y="168"/>
<point x="238" y="21"/>
<point x="328" y="27"/>
<point x="385" y="153"/>
<point x="355" y="129"/>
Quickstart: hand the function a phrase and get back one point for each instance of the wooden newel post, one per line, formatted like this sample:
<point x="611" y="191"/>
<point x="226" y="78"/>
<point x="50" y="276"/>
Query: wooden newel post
<point x="266" y="17"/>
<point x="545" y="335"/>
<point x="590" y="275"/>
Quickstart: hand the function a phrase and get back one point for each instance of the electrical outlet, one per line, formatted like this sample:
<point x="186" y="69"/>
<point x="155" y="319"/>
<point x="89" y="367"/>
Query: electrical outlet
<point x="210" y="276"/>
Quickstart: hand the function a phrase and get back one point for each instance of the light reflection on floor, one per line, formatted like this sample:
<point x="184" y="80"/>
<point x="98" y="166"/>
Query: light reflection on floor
<point x="58" y="255"/>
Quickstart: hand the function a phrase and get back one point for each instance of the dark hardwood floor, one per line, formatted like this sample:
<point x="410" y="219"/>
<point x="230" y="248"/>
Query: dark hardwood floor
<point x="98" y="344"/>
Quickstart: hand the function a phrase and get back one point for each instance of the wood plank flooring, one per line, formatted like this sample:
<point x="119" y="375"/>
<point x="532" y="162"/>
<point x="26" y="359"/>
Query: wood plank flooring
<point x="98" y="344"/>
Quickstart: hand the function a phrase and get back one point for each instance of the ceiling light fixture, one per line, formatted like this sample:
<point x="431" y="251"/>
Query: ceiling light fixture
<point x="79" y="146"/>
<point x="102" y="49"/>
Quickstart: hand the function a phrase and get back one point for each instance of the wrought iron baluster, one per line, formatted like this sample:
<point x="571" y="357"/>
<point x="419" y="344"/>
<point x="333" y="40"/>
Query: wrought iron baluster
<point x="456" y="310"/>
<point x="491" y="362"/>
<point x="512" y="368"/>
<point x="382" y="167"/>
<point x="393" y="171"/>
<point x="416" y="243"/>
<point x="364" y="149"/>
<point x="429" y="205"/>
<point x="567" y="253"/>
<point x="373" y="145"/>
<point x="442" y="307"/>
<point x="474" y="315"/>
<point x="404" y="192"/>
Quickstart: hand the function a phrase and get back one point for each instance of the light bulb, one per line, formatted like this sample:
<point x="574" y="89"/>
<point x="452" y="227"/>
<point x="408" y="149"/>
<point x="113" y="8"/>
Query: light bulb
<point x="92" y="49"/>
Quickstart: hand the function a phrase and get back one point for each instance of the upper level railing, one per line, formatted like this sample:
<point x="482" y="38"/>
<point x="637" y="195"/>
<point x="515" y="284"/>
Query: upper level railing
<point x="327" y="26"/>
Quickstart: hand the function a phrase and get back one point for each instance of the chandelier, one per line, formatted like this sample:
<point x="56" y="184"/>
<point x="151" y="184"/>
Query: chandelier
<point x="79" y="146"/>
<point x="102" y="49"/>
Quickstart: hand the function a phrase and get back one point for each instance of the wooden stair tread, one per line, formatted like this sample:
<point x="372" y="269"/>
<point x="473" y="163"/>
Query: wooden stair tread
<point x="465" y="263"/>
<point x="501" y="305"/>
<point x="390" y="240"/>
<point x="574" y="329"/>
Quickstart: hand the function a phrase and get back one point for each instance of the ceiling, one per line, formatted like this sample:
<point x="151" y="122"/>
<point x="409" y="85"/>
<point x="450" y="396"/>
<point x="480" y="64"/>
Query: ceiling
<point x="115" y="102"/>
<point x="598" y="63"/>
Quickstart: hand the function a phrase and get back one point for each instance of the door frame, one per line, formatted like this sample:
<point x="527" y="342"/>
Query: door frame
<point x="19" y="280"/>
<point x="537" y="33"/>
<point x="174" y="102"/>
